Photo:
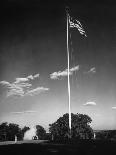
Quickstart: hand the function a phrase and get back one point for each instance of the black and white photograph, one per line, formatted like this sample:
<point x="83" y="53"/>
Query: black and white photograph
<point x="57" y="77"/>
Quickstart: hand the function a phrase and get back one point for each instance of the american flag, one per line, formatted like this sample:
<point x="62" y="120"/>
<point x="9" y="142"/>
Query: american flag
<point x="76" y="24"/>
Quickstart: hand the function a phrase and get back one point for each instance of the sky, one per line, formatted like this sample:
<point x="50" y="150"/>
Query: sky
<point x="33" y="62"/>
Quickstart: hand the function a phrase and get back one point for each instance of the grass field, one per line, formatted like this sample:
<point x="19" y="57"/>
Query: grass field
<point x="23" y="142"/>
<point x="47" y="148"/>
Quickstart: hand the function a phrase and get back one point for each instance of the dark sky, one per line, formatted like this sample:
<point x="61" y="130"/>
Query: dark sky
<point x="33" y="41"/>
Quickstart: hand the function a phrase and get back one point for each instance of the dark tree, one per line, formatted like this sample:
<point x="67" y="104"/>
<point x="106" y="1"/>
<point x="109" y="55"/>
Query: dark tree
<point x="41" y="133"/>
<point x="106" y="135"/>
<point x="9" y="131"/>
<point x="13" y="130"/>
<point x="3" y="131"/>
<point x="80" y="127"/>
<point x="112" y="135"/>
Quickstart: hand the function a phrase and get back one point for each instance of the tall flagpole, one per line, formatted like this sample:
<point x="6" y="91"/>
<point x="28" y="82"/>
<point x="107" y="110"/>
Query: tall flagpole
<point x="68" y="58"/>
<point x="82" y="32"/>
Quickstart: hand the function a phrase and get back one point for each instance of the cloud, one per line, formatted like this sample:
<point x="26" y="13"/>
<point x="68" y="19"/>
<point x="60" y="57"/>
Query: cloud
<point x="18" y="80"/>
<point x="12" y="88"/>
<point x="57" y="75"/>
<point x="36" y="91"/>
<point x="16" y="88"/>
<point x="23" y="112"/>
<point x="32" y="77"/>
<point x="21" y="87"/>
<point x="91" y="70"/>
<point x="18" y="91"/>
<point x="114" y="108"/>
<point x="24" y="85"/>
<point x="36" y="76"/>
<point x="60" y="74"/>
<point x="76" y="68"/>
<point x="89" y="104"/>
<point x="4" y="83"/>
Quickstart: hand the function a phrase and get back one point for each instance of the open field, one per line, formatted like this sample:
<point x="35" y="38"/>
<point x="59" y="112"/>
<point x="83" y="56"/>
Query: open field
<point x="23" y="142"/>
<point x="46" y="148"/>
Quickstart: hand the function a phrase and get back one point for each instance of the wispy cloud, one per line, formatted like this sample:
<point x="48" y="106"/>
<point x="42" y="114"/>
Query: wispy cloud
<point x="114" y="108"/>
<point x="75" y="68"/>
<point x="60" y="74"/>
<point x="23" y="112"/>
<point x="29" y="77"/>
<point x="12" y="88"/>
<point x="36" y="91"/>
<point x="22" y="87"/>
<point x="32" y="77"/>
<point x="4" y="83"/>
<point x="18" y="80"/>
<point x="91" y="70"/>
<point x="17" y="91"/>
<point x="15" y="88"/>
<point x="36" y="76"/>
<point x="89" y="104"/>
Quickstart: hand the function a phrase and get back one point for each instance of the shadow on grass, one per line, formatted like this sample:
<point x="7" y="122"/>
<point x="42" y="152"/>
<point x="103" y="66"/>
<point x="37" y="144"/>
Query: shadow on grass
<point x="80" y="147"/>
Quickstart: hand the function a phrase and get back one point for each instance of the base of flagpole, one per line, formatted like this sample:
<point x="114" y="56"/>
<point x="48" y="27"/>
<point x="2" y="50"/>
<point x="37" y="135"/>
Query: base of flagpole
<point x="69" y="135"/>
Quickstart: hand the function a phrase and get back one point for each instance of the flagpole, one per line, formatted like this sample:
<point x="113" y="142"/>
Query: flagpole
<point x="79" y="26"/>
<point x="68" y="58"/>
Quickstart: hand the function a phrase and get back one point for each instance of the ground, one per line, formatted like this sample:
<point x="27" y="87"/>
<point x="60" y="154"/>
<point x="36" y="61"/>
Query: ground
<point x="38" y="147"/>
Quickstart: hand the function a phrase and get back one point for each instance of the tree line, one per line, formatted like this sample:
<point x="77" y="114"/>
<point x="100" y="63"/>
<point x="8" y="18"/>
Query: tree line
<point x="8" y="132"/>
<point x="59" y="130"/>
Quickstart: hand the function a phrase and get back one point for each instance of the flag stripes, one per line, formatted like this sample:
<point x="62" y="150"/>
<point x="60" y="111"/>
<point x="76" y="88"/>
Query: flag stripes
<point x="76" y="24"/>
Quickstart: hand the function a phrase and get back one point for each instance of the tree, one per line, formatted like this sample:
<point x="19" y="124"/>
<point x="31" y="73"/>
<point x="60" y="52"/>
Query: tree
<point x="40" y="132"/>
<point x="9" y="131"/>
<point x="14" y="130"/>
<point x="80" y="127"/>
<point x="3" y="131"/>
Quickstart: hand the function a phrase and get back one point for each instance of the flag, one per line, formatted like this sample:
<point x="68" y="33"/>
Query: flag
<point x="76" y="24"/>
